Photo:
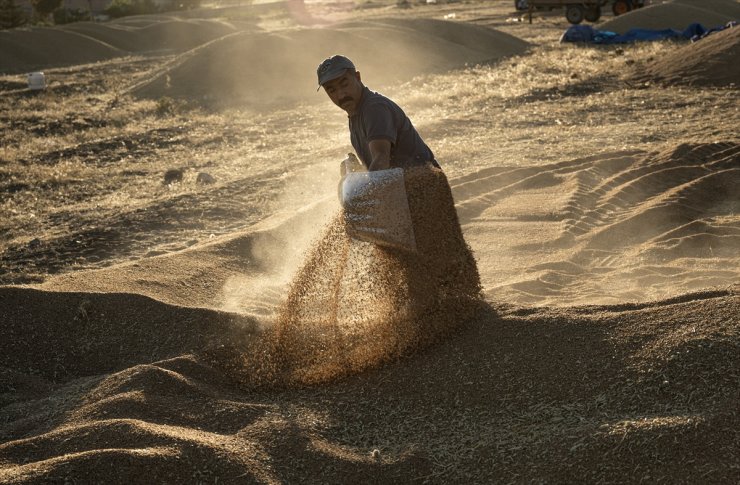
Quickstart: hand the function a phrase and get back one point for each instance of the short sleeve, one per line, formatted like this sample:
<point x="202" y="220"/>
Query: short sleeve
<point x="379" y="123"/>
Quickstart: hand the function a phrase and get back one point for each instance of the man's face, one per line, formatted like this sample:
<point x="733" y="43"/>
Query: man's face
<point x="345" y="91"/>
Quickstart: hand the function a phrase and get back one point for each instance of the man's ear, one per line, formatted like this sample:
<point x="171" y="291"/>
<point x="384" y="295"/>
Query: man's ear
<point x="357" y="75"/>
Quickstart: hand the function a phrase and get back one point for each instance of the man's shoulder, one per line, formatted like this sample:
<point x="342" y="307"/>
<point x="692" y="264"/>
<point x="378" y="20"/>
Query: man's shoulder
<point x="374" y="97"/>
<point x="376" y="100"/>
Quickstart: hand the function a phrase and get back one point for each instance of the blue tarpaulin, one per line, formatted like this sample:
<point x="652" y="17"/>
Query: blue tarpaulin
<point x="589" y="35"/>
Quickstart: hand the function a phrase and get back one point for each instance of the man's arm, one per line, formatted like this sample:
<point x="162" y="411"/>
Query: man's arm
<point x="380" y="151"/>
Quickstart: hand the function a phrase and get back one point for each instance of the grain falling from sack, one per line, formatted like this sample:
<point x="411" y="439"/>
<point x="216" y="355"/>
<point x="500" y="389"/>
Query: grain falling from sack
<point x="354" y="305"/>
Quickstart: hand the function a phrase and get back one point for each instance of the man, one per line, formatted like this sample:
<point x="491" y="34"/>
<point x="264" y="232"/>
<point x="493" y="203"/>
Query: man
<point x="381" y="133"/>
<point x="383" y="137"/>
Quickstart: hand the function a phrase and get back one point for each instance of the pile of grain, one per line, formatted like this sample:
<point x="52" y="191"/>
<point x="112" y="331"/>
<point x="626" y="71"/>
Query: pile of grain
<point x="171" y="35"/>
<point x="677" y="15"/>
<point x="709" y="62"/>
<point x="354" y="305"/>
<point x="39" y="48"/>
<point x="269" y="69"/>
<point x="88" y="42"/>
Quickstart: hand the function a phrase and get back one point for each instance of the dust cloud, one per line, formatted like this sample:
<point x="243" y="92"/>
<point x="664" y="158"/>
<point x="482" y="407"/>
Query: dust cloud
<point x="277" y="251"/>
<point x="353" y="305"/>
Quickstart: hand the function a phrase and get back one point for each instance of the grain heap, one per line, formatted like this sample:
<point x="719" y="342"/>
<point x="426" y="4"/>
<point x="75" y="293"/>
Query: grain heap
<point x="223" y="73"/>
<point x="88" y="42"/>
<point x="709" y="62"/>
<point x="677" y="15"/>
<point x="354" y="305"/>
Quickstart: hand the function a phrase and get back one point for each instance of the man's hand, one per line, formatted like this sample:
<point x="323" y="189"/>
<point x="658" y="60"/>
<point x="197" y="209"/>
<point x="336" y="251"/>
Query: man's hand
<point x="380" y="151"/>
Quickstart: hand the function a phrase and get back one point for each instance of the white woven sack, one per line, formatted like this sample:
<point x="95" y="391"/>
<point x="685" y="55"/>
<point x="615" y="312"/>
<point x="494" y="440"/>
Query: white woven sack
<point x="376" y="208"/>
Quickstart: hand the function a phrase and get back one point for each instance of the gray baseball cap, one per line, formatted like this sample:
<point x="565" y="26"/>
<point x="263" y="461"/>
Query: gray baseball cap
<point x="332" y="68"/>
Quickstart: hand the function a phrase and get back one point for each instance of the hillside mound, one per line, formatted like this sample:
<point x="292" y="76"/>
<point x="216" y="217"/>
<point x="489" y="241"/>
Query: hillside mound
<point x="32" y="48"/>
<point x="675" y="15"/>
<point x="267" y="69"/>
<point x="176" y="35"/>
<point x="28" y="49"/>
<point x="710" y="62"/>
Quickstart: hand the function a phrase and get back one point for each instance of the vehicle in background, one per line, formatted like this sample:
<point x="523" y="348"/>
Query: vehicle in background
<point x="576" y="12"/>
<point x="623" y="6"/>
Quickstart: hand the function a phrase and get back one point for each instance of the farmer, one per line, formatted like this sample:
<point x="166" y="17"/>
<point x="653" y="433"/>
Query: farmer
<point x="383" y="137"/>
<point x="381" y="133"/>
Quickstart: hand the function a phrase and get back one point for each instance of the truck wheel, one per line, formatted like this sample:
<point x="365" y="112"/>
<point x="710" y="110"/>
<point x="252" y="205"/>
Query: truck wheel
<point x="574" y="14"/>
<point x="621" y="6"/>
<point x="593" y="14"/>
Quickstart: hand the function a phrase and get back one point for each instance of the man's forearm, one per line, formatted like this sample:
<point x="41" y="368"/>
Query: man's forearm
<point x="380" y="162"/>
<point x="380" y="152"/>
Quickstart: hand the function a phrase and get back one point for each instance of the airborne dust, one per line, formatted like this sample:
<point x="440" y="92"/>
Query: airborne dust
<point x="353" y="305"/>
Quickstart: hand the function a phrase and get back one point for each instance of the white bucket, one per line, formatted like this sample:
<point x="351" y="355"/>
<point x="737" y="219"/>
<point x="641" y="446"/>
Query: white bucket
<point x="36" y="81"/>
<point x="376" y="208"/>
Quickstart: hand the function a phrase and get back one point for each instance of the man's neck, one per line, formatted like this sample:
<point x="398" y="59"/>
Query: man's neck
<point x="359" y="103"/>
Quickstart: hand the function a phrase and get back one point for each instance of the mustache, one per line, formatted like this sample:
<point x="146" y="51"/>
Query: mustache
<point x="345" y="99"/>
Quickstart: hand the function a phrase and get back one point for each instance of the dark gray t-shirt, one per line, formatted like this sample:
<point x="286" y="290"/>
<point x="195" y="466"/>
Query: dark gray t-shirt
<point x="380" y="118"/>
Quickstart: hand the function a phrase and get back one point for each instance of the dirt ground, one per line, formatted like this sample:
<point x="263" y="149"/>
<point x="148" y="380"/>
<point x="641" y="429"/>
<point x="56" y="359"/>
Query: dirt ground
<point x="144" y="239"/>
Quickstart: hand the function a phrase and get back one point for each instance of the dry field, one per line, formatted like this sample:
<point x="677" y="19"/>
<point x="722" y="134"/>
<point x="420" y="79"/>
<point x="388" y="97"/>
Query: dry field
<point x="156" y="204"/>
